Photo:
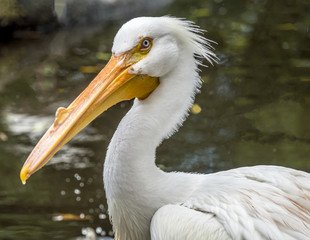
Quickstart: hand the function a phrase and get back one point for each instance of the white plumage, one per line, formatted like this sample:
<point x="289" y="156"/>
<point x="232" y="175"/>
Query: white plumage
<point x="262" y="202"/>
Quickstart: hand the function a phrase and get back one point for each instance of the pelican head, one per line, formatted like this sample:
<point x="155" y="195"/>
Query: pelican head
<point x="145" y="50"/>
<point x="163" y="40"/>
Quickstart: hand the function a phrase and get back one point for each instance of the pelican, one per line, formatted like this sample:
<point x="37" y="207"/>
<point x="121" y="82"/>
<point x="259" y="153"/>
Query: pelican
<point x="155" y="61"/>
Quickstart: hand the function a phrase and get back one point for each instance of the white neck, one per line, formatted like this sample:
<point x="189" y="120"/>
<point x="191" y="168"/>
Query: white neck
<point x="135" y="187"/>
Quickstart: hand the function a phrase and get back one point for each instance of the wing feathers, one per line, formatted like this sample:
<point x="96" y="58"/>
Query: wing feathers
<point x="175" y="222"/>
<point x="262" y="202"/>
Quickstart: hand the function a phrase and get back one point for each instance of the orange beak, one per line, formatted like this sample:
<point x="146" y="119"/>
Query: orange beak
<point x="112" y="85"/>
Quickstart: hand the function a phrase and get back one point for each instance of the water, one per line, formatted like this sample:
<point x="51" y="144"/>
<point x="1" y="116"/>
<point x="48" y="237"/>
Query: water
<point x="254" y="110"/>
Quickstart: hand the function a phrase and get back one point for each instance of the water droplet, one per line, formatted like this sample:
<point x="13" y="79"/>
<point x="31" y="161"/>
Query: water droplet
<point x="78" y="199"/>
<point x="91" y="200"/>
<point x="82" y="215"/>
<point x="77" y="177"/>
<point x="77" y="191"/>
<point x="67" y="180"/>
<point x="98" y="230"/>
<point x="81" y="184"/>
<point x="24" y="182"/>
<point x="62" y="192"/>
<point x="102" y="216"/>
<point x="84" y="231"/>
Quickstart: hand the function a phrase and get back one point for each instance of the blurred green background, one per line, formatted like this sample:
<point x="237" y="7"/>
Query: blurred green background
<point x="254" y="106"/>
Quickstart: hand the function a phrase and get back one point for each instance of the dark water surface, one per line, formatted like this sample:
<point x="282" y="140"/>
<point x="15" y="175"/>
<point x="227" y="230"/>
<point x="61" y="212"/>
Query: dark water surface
<point x="255" y="109"/>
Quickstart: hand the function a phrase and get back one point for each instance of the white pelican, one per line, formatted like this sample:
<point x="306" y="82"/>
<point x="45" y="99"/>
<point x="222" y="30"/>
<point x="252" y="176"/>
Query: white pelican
<point x="154" y="60"/>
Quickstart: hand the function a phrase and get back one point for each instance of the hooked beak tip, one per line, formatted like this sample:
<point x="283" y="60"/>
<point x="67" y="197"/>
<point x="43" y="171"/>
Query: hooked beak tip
<point x="24" y="174"/>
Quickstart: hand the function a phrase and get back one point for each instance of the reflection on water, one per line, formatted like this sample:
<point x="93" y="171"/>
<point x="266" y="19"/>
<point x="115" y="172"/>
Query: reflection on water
<point x="33" y="126"/>
<point x="253" y="109"/>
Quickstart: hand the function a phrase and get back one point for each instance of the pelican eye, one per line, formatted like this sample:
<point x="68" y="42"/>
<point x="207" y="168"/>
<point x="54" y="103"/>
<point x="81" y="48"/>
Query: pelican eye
<point x="145" y="44"/>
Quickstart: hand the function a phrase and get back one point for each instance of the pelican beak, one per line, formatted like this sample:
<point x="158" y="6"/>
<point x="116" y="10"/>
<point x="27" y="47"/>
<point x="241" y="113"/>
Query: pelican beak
<point x="113" y="84"/>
